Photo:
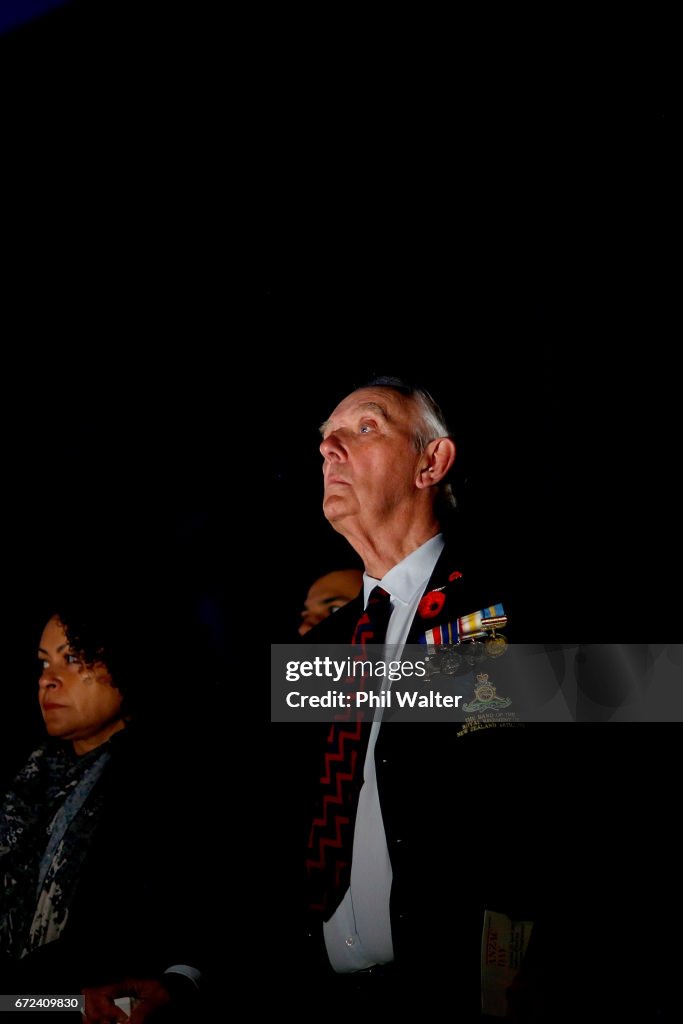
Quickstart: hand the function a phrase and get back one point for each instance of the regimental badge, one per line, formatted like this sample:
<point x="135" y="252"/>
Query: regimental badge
<point x="486" y="697"/>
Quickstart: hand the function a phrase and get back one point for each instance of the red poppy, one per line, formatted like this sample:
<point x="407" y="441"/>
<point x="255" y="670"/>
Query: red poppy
<point x="431" y="604"/>
<point x="455" y="576"/>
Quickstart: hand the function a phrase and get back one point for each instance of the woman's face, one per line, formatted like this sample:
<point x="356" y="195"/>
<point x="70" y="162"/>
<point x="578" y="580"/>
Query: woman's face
<point x="78" y="701"/>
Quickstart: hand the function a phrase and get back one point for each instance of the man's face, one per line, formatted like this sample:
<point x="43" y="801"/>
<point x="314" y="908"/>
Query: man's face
<point x="370" y="460"/>
<point x="327" y="594"/>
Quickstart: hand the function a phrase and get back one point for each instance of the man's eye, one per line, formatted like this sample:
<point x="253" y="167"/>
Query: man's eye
<point x="365" y="428"/>
<point x="43" y="663"/>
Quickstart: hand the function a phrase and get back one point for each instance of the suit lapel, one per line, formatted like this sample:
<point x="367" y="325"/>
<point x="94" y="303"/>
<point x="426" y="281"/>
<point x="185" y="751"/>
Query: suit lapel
<point x="452" y="592"/>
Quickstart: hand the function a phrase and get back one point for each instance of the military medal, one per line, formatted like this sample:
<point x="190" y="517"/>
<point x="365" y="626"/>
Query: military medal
<point x="496" y="644"/>
<point x="470" y="638"/>
<point x="432" y="663"/>
<point x="450" y="661"/>
<point x="473" y="651"/>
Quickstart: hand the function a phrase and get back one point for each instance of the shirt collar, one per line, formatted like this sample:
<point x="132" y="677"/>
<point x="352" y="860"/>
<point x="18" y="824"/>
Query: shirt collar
<point x="412" y="574"/>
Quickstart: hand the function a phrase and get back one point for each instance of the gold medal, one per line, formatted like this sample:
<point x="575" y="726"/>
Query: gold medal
<point x="495" y="644"/>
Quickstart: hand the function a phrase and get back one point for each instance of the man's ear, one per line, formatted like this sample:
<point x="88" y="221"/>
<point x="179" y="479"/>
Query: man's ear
<point x="438" y="457"/>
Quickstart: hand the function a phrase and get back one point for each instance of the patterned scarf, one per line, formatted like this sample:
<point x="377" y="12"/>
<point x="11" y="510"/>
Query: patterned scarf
<point x="46" y="824"/>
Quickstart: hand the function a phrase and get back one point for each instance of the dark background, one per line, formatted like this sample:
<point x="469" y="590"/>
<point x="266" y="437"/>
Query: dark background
<point x="502" y="234"/>
<point x="111" y="493"/>
<point x="112" y="416"/>
<point x="213" y="229"/>
<point x="216" y="225"/>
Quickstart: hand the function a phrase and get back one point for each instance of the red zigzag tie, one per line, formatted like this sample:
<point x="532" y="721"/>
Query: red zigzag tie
<point x="330" y="843"/>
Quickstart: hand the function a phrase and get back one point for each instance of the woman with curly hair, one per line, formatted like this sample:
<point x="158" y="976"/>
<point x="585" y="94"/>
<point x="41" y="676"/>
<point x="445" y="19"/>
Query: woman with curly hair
<point x="90" y="856"/>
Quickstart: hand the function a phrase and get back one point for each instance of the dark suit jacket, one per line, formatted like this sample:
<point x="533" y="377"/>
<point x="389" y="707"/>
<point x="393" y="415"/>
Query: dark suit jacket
<point x="501" y="819"/>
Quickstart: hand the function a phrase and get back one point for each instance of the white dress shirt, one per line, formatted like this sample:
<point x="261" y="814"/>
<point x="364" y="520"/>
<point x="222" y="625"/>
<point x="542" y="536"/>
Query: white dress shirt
<point x="358" y="934"/>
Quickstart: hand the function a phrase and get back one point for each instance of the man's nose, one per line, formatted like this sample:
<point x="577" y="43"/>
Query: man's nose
<point x="309" y="620"/>
<point x="332" y="448"/>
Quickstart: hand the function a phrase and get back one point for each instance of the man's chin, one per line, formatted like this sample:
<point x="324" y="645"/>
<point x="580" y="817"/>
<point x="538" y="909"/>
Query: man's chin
<point x="335" y="510"/>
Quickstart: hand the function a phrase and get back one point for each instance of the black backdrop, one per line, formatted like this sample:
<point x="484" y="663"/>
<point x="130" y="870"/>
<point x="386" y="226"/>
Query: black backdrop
<point x="557" y="469"/>
<point x="113" y="411"/>
<point x="212" y="231"/>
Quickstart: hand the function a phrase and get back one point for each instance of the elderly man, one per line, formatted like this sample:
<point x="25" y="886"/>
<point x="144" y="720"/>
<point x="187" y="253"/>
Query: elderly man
<point x="426" y="861"/>
<point x="446" y="824"/>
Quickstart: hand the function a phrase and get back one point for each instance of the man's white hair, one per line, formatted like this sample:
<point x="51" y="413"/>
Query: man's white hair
<point x="432" y="423"/>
